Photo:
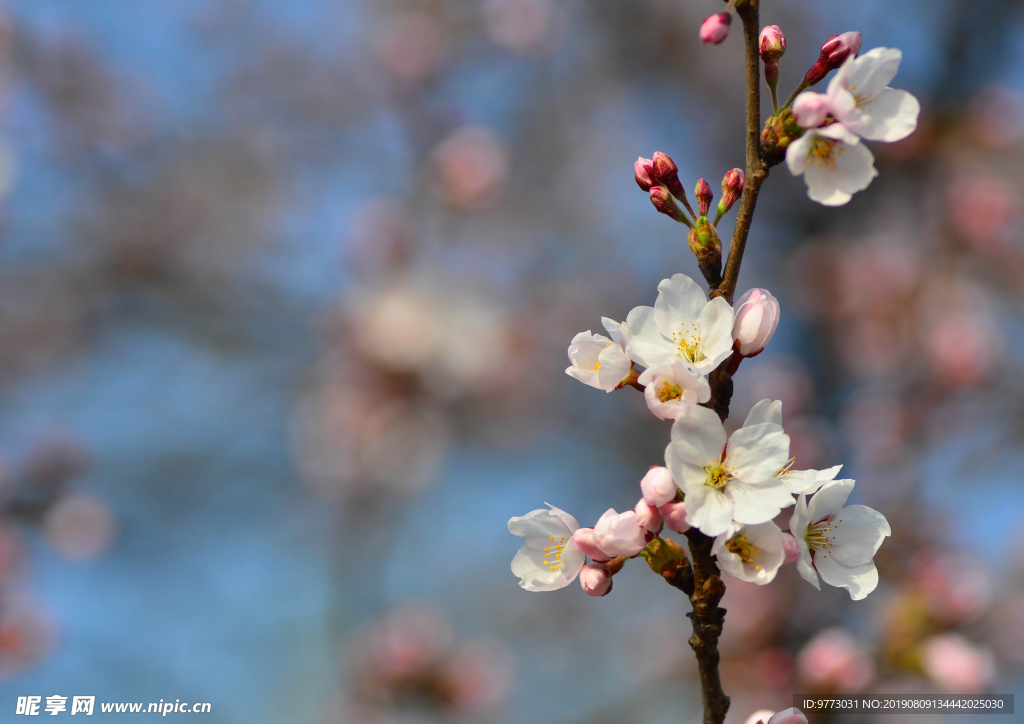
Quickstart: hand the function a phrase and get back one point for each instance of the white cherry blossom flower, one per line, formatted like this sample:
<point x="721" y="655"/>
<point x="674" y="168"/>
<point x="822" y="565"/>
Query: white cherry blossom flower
<point x="597" y="361"/>
<point x="682" y="323"/>
<point x="550" y="559"/>
<point x="672" y="384"/>
<point x="751" y="553"/>
<point x="796" y="481"/>
<point x="725" y="484"/>
<point x="859" y="97"/>
<point x="837" y="542"/>
<point x="834" y="163"/>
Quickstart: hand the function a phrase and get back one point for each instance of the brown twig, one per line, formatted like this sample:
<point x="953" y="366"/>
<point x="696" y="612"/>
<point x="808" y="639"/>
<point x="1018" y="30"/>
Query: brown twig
<point x="707" y="618"/>
<point x="756" y="172"/>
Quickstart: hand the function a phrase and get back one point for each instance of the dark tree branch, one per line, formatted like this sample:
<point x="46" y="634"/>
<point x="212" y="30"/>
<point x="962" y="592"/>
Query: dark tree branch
<point x="756" y="172"/>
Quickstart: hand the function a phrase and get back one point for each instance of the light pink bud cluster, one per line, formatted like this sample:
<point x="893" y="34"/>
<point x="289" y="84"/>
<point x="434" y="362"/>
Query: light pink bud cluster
<point x="834" y="53"/>
<point x="616" y="536"/>
<point x="660" y="493"/>
<point x="715" y="28"/>
<point x="757" y="316"/>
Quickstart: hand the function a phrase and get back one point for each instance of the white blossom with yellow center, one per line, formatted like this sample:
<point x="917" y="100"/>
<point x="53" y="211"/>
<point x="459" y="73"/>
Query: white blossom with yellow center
<point x="859" y="97"/>
<point x="671" y="385"/>
<point x="682" y="324"/>
<point x="550" y="559"/>
<point x="751" y="553"/>
<point x="727" y="480"/>
<point x="837" y="542"/>
<point x="597" y="361"/>
<point x="834" y="163"/>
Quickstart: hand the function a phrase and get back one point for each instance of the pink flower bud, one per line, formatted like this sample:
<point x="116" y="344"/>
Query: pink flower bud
<point x="789" y="716"/>
<point x="810" y="109"/>
<point x="584" y="539"/>
<point x="757" y="316"/>
<point x="791" y="548"/>
<point x="642" y="169"/>
<point x="834" y="53"/>
<point x="771" y="43"/>
<point x="664" y="203"/>
<point x="732" y="189"/>
<point x="715" y="28"/>
<point x="761" y="715"/>
<point x="620" y="534"/>
<point x="704" y="196"/>
<point x="595" y="579"/>
<point x="674" y="515"/>
<point x="658" y="486"/>
<point x="666" y="173"/>
<point x="647" y="516"/>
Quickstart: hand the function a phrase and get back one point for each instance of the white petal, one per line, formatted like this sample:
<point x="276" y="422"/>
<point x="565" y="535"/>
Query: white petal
<point x="754" y="504"/>
<point x="891" y="116"/>
<point x="808" y="481"/>
<point x="538" y="527"/>
<point x="832" y="496"/>
<point x="872" y="71"/>
<point x="687" y="475"/>
<point x="698" y="437"/>
<point x="534" y="575"/>
<point x="757" y="452"/>
<point x="765" y="411"/>
<point x="680" y="301"/>
<point x="708" y="510"/>
<point x="798" y="522"/>
<point x="587" y="377"/>
<point x="797" y="152"/>
<point x="567" y="520"/>
<point x="616" y="330"/>
<point x="715" y="324"/>
<point x="858" y="580"/>
<point x="804" y="565"/>
<point x="614" y="367"/>
<point x="858" y="532"/>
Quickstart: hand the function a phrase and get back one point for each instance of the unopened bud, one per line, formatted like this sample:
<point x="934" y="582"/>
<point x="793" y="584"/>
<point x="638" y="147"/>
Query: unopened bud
<point x="810" y="109"/>
<point x="732" y="189"/>
<point x="715" y="28"/>
<point x="790" y="547"/>
<point x="834" y="53"/>
<point x="757" y="316"/>
<point x="704" y="196"/>
<point x="666" y="173"/>
<point x="771" y="43"/>
<point x="642" y="169"/>
<point x="595" y="580"/>
<point x="648" y="517"/>
<point x="658" y="487"/>
<point x="664" y="203"/>
<point x="674" y="515"/>
<point x="584" y="539"/>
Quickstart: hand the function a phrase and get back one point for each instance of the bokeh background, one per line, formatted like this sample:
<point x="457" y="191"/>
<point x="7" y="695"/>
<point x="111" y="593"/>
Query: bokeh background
<point x="285" y="295"/>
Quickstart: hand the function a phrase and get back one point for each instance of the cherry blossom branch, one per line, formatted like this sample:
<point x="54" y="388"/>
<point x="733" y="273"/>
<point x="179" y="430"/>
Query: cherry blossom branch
<point x="756" y="172"/>
<point x="707" y="618"/>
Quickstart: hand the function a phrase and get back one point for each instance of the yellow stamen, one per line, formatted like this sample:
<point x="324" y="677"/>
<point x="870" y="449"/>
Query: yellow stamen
<point x="741" y="546"/>
<point x="669" y="391"/>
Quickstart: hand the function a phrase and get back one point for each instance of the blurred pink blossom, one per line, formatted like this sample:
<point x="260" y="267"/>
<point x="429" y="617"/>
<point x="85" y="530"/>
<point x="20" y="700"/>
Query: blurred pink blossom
<point x="533" y="28"/>
<point x="834" y="661"/>
<point x="957" y="665"/>
<point x="408" y="46"/>
<point x="79" y="526"/>
<point x="471" y="167"/>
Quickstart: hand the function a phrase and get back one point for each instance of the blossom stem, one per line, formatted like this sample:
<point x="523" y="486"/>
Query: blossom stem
<point x="789" y="101"/>
<point x="756" y="172"/>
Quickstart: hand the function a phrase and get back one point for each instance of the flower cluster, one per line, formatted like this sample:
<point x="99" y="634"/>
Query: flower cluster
<point x="859" y="105"/>
<point x="730" y="488"/>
